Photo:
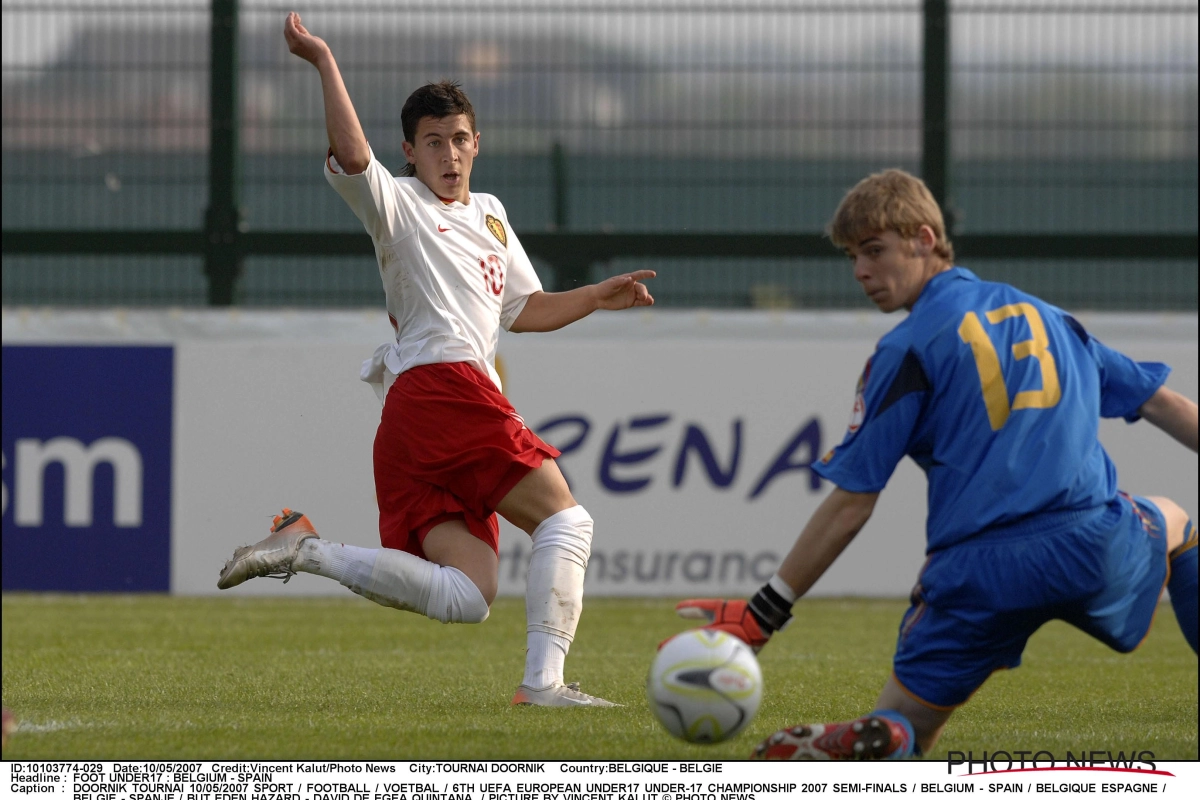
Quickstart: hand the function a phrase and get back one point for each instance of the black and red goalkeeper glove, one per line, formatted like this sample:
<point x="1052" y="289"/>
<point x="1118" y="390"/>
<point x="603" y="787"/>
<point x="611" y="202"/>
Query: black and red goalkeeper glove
<point x="751" y="621"/>
<point x="730" y="616"/>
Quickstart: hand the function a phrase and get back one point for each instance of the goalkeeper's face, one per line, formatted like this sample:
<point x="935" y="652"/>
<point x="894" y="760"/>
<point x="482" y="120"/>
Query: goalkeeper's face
<point x="893" y="270"/>
<point x="443" y="153"/>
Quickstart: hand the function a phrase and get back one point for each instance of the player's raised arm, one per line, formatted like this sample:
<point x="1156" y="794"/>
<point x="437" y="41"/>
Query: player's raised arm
<point x="341" y="122"/>
<point x="1174" y="414"/>
<point x="549" y="311"/>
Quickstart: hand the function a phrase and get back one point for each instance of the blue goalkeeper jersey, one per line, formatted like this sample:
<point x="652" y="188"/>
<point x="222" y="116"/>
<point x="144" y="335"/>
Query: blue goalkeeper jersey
<point x="998" y="397"/>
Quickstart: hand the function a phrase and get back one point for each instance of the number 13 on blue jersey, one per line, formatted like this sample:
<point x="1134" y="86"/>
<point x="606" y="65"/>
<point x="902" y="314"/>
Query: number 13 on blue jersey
<point x="987" y="362"/>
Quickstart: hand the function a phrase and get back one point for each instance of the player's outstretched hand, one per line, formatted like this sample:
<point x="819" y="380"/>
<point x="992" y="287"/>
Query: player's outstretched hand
<point x="302" y="43"/>
<point x="624" y="291"/>
<point x="731" y="616"/>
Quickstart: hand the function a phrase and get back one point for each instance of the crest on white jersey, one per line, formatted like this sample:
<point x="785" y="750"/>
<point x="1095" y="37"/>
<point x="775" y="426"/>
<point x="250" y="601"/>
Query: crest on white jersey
<point x="497" y="228"/>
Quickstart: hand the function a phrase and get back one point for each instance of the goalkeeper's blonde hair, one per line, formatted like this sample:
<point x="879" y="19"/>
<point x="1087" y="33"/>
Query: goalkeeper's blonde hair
<point x="891" y="200"/>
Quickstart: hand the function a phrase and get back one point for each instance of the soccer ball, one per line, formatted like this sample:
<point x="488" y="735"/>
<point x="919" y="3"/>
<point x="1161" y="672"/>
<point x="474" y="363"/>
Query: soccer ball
<point x="704" y="686"/>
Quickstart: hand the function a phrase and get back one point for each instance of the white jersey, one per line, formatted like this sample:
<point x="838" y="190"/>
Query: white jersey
<point x="452" y="273"/>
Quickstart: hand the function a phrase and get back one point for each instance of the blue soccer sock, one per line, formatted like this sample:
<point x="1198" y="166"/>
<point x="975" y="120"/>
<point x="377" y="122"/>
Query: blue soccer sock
<point x="908" y="739"/>
<point x="1182" y="585"/>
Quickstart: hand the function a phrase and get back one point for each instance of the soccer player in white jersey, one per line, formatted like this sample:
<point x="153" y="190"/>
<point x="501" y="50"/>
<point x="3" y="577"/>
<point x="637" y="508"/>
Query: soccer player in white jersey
<point x="451" y="452"/>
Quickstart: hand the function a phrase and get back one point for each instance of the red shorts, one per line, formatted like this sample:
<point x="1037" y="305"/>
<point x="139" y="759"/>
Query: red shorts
<point x="449" y="446"/>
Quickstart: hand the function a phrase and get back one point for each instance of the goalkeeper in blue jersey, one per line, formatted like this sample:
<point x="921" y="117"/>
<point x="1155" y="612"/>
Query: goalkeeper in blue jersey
<point x="997" y="395"/>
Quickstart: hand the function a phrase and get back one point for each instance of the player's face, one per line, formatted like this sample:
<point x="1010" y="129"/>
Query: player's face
<point x="891" y="270"/>
<point x="444" y="150"/>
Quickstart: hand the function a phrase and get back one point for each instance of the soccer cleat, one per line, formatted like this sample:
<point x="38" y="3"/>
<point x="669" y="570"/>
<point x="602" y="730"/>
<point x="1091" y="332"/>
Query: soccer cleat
<point x="558" y="695"/>
<point x="274" y="556"/>
<point x="731" y="616"/>
<point x="864" y="739"/>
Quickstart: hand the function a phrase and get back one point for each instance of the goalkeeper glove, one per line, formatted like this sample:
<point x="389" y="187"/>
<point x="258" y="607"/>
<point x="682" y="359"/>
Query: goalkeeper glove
<point x="730" y="616"/>
<point x="753" y="622"/>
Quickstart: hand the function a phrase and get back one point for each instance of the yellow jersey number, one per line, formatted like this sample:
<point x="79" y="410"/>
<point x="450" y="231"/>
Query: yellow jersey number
<point x="991" y="379"/>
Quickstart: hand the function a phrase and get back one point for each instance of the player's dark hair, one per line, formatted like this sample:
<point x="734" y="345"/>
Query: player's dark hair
<point x="437" y="100"/>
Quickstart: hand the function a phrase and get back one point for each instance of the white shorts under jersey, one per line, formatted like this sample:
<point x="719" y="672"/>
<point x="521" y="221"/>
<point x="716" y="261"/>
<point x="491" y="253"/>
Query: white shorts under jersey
<point x="452" y="273"/>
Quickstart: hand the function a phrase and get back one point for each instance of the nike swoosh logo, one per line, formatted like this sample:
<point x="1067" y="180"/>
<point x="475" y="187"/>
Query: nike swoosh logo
<point x="441" y="229"/>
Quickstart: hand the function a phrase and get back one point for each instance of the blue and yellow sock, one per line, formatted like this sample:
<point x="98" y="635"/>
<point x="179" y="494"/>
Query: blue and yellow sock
<point x="901" y="725"/>
<point x="1182" y="585"/>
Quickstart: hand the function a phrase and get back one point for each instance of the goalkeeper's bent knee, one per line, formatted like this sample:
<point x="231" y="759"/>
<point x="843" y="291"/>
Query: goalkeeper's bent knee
<point x="1183" y="584"/>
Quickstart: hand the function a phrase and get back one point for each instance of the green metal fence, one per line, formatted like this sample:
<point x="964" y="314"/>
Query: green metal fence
<point x="169" y="152"/>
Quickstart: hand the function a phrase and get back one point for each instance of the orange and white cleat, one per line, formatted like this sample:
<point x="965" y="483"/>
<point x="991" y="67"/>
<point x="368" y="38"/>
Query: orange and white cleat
<point x="274" y="556"/>
<point x="865" y="739"/>
<point x="558" y="695"/>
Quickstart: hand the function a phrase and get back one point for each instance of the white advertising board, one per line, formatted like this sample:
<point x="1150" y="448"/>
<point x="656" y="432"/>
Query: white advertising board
<point x="686" y="435"/>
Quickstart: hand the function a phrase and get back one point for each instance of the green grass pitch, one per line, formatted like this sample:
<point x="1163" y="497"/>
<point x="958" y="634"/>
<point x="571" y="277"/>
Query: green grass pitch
<point x="156" y="677"/>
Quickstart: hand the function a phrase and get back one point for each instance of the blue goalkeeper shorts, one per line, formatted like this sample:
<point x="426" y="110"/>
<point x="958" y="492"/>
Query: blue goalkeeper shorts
<point x="977" y="603"/>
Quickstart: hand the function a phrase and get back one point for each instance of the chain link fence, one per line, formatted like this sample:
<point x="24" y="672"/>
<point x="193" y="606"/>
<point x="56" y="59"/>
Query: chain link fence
<point x="1068" y="120"/>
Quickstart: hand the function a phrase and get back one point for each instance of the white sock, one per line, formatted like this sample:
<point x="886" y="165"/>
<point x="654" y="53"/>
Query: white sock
<point x="544" y="659"/>
<point x="453" y="597"/>
<point x="562" y="545"/>
<point x="345" y="563"/>
<point x="396" y="579"/>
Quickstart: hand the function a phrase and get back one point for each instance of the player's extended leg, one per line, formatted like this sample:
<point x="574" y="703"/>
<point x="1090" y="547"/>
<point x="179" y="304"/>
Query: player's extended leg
<point x="541" y="504"/>
<point x="926" y="722"/>
<point x="899" y="727"/>
<point x="945" y="650"/>
<point x="1182" y="558"/>
<point x="447" y="592"/>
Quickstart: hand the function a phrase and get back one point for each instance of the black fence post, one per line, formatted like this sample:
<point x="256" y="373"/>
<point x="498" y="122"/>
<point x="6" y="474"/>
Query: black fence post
<point x="222" y="219"/>
<point x="571" y="270"/>
<point x="558" y="185"/>
<point x="935" y="137"/>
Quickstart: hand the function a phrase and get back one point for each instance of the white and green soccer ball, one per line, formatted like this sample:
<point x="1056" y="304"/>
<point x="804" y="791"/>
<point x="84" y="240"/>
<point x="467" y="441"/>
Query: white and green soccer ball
<point x="704" y="686"/>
